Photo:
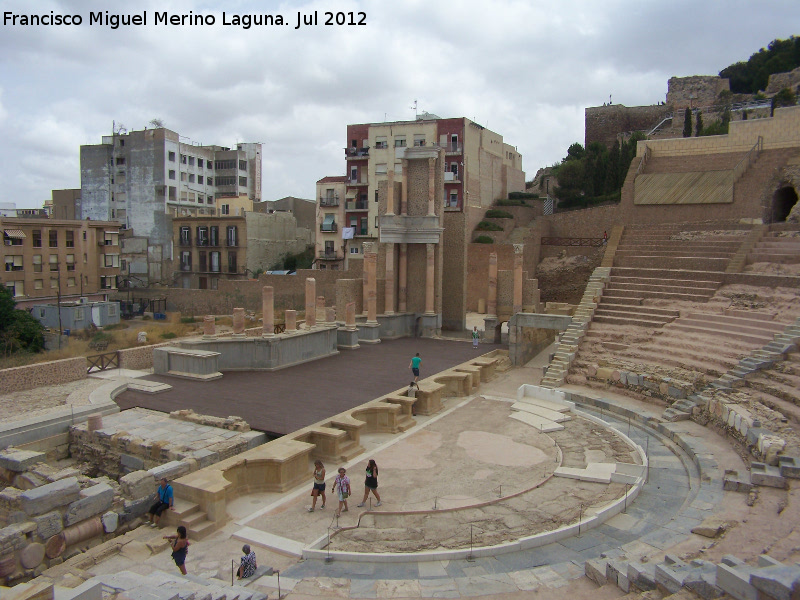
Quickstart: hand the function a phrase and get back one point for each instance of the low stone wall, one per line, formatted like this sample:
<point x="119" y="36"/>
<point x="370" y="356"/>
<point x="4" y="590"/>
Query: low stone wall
<point x="48" y="373"/>
<point x="138" y="359"/>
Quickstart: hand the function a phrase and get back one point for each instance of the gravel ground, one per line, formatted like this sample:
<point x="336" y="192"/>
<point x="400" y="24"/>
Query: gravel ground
<point x="38" y="401"/>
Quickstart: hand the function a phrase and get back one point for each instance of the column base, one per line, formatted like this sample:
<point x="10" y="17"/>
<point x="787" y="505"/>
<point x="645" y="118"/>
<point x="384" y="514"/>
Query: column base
<point x="430" y="325"/>
<point x="267" y="335"/>
<point x="490" y="329"/>
<point x="347" y="339"/>
<point x="239" y="335"/>
<point x="369" y="333"/>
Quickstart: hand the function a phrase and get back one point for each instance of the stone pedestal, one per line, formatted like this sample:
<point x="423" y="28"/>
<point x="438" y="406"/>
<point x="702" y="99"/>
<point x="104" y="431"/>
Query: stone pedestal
<point x="209" y="327"/>
<point x="430" y="325"/>
<point x="320" y="309"/>
<point x="347" y="338"/>
<point x="268" y="311"/>
<point x="369" y="333"/>
<point x="491" y="331"/>
<point x="290" y="317"/>
<point x="330" y="315"/>
<point x="201" y="365"/>
<point x="311" y="302"/>
<point x="238" y="322"/>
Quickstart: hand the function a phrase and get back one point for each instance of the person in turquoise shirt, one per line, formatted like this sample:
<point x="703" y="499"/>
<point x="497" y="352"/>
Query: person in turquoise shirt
<point x="414" y="366"/>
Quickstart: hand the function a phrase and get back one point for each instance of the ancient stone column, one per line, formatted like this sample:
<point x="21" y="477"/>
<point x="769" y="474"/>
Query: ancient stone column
<point x="404" y="190"/>
<point x="311" y="302"/>
<point x="518" y="278"/>
<point x="321" y="309"/>
<point x="238" y="321"/>
<point x="431" y="186"/>
<point x="491" y="300"/>
<point x="350" y="315"/>
<point x="402" y="279"/>
<point x="429" y="274"/>
<point x="390" y="190"/>
<point x="209" y="326"/>
<point x="330" y="315"/>
<point x="389" y="287"/>
<point x="268" y="311"/>
<point x="371" y="271"/>
<point x="290" y="316"/>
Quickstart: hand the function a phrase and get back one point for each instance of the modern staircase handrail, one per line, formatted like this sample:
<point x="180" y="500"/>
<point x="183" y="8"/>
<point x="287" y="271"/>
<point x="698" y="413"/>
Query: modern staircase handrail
<point x="643" y="162"/>
<point x="748" y="159"/>
<point x="715" y="108"/>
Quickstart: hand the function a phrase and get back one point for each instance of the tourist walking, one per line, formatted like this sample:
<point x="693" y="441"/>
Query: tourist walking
<point x="248" y="565"/>
<point x="414" y="366"/>
<point x="319" y="485"/>
<point x="164" y="502"/>
<point x="180" y="548"/>
<point x="371" y="483"/>
<point x="342" y="484"/>
<point x="475" y="336"/>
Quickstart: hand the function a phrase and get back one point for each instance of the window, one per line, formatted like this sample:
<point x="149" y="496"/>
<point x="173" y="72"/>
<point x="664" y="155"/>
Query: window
<point x="400" y="141"/>
<point x="213" y="236"/>
<point x="376" y="195"/>
<point x="200" y="179"/>
<point x="353" y="222"/>
<point x="209" y="181"/>
<point x="203" y="266"/>
<point x="191" y="178"/>
<point x="186" y="261"/>
<point x="380" y="142"/>
<point x="214" y="262"/>
<point x="172" y="193"/>
<point x="14" y="263"/>
<point x="70" y="262"/>
<point x="122" y="142"/>
<point x="108" y="283"/>
<point x="243" y="165"/>
<point x="243" y="181"/>
<point x="185" y="235"/>
<point x="225" y="209"/>
<point x="226" y="180"/>
<point x="353" y="173"/>
<point x="172" y="173"/>
<point x="353" y="249"/>
<point x="171" y="156"/>
<point x="202" y="236"/>
<point x="376" y="222"/>
<point x="183" y="159"/>
<point x="191" y="161"/>
<point x="70" y="243"/>
<point x="37" y="238"/>
<point x="419" y="139"/>
<point x="231" y="262"/>
<point x="380" y="169"/>
<point x="232" y="235"/>
<point x="70" y="282"/>
<point x="328" y="223"/>
<point x="120" y="160"/>
<point x="38" y="284"/>
<point x="37" y="263"/>
<point x="54" y="262"/>
<point x="110" y="238"/>
<point x="199" y="163"/>
<point x="17" y="288"/>
<point x="183" y="176"/>
<point x="112" y="260"/>
<point x="221" y="165"/>
<point x="453" y="198"/>
<point x="54" y="283"/>
<point x="330" y="249"/>
<point x="53" y="235"/>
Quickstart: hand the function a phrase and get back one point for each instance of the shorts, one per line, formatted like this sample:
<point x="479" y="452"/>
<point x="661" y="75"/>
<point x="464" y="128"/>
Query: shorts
<point x="179" y="556"/>
<point x="371" y="483"/>
<point x="415" y="371"/>
<point x="343" y="497"/>
<point x="158" y="508"/>
<point x="320" y="487"/>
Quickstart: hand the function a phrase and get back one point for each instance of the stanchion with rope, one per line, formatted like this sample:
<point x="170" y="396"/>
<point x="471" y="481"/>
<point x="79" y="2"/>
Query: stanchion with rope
<point x="580" y="519"/>
<point x="470" y="557"/>
<point x="329" y="558"/>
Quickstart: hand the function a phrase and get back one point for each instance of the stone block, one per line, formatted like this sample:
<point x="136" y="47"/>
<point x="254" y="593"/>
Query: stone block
<point x="761" y="474"/>
<point x="48" y="525"/>
<point x="642" y="576"/>
<point x="595" y="569"/>
<point x="19" y="460"/>
<point x="767" y="561"/>
<point x="776" y="582"/>
<point x="136" y="508"/>
<point x="138" y="484"/>
<point x="789" y="466"/>
<point x="204" y="458"/>
<point x="734" y="580"/>
<point x="131" y="463"/>
<point x="28" y="481"/>
<point x="47" y="497"/>
<point x="710" y="528"/>
<point x="703" y="583"/>
<point x="94" y="500"/>
<point x="110" y="521"/>
<point x="732" y="481"/>
<point x="170" y="470"/>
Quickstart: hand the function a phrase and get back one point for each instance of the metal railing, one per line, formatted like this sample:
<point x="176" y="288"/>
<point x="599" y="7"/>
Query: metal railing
<point x="356" y="152"/>
<point x="329" y="256"/>
<point x="643" y="162"/>
<point x="329" y="227"/>
<point x="748" y="159"/>
<point x="325" y="201"/>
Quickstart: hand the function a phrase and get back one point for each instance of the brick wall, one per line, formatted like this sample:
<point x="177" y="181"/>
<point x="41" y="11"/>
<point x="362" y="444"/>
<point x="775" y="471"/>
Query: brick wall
<point x="478" y="269"/>
<point x="47" y="373"/>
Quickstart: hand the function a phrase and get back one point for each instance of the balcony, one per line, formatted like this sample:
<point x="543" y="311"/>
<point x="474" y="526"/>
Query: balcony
<point x="329" y="256"/>
<point x="323" y="201"/>
<point x="355" y="153"/>
<point x="183" y="242"/>
<point x="452" y="148"/>
<point x="185" y="267"/>
<point x="231" y="243"/>
<point x="357" y="205"/>
<point x="362" y="233"/>
<point x="450" y="177"/>
<point x="329" y="227"/>
<point x="356" y="182"/>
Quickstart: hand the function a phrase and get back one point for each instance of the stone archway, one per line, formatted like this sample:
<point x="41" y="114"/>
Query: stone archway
<point x="783" y="201"/>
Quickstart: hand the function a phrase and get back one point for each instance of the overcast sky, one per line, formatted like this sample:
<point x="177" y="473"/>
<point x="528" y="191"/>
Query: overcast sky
<point x="525" y="69"/>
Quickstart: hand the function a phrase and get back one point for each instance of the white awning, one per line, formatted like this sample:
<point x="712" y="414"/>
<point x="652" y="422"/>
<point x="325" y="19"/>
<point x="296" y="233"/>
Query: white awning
<point x="351" y="194"/>
<point x="15" y="233"/>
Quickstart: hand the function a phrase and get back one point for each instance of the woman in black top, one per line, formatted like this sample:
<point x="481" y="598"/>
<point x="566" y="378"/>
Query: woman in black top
<point x="371" y="483"/>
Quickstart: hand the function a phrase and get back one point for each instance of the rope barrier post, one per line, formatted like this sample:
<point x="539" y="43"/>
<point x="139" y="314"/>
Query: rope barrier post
<point x="329" y="558"/>
<point x="580" y="519"/>
<point x="279" y="583"/>
<point x="627" y="487"/>
<point x="470" y="557"/>
<point x="232" y="562"/>
<point x="434" y="503"/>
<point x="647" y="456"/>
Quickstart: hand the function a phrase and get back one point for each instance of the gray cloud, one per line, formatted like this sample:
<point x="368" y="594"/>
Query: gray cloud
<point x="526" y="69"/>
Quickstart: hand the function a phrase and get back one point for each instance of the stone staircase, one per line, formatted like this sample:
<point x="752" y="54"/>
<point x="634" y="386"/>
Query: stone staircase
<point x="190" y="516"/>
<point x="673" y="247"/>
<point x="777" y="246"/>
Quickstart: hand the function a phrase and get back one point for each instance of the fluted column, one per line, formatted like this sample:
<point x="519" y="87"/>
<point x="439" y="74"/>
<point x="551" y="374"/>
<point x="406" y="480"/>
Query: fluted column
<point x="238" y="321"/>
<point x="389" y="291"/>
<point x="268" y="311"/>
<point x="404" y="190"/>
<point x="402" y="279"/>
<point x="429" y="275"/>
<point x="431" y="186"/>
<point x="492" y="296"/>
<point x="371" y="271"/>
<point x="518" y="278"/>
<point x="311" y="302"/>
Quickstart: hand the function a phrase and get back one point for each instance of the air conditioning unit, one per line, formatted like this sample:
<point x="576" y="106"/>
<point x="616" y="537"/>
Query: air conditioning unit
<point x="83" y="300"/>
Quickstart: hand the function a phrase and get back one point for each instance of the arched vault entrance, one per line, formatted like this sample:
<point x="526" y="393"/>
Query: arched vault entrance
<point x="783" y="200"/>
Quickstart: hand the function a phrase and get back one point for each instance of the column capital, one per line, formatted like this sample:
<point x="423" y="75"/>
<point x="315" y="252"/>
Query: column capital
<point x="518" y="248"/>
<point x="368" y="247"/>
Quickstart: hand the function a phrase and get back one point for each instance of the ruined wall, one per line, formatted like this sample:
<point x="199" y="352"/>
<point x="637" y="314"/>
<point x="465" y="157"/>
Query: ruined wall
<point x="695" y="91"/>
<point x="140" y="358"/>
<point x="478" y="269"/>
<point x="47" y="373"/>
<point x="778" y="81"/>
<point x="604" y="123"/>
<point x="454" y="278"/>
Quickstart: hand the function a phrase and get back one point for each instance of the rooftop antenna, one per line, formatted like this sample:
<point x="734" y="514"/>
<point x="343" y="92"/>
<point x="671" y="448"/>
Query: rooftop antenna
<point x="415" y="108"/>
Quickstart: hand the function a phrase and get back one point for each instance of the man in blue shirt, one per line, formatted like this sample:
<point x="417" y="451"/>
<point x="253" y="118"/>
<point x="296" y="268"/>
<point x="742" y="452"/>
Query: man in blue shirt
<point x="163" y="503"/>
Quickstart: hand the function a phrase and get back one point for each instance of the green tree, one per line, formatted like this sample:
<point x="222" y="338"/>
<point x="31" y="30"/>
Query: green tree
<point x="698" y="127"/>
<point x="575" y="152"/>
<point x="19" y="331"/>
<point x="785" y="97"/>
<point x="780" y="56"/>
<point x="612" y="169"/>
<point x="687" y="123"/>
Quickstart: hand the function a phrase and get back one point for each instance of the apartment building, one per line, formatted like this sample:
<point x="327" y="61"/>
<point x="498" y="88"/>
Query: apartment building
<point x="332" y="251"/>
<point x="144" y="178"/>
<point x="47" y="258"/>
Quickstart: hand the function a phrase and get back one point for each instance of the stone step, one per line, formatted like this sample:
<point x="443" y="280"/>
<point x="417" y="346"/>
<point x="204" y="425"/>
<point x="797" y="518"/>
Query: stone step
<point x="778" y="389"/>
<point x="644" y="310"/>
<point x="628" y="320"/>
<point x="690" y="296"/>
<point x="682" y="253"/>
<point x="539" y="423"/>
<point x="749" y="314"/>
<point x="634" y="314"/>
<point x="706" y="355"/>
<point x="787" y="243"/>
<point x="541" y="411"/>
<point x="668" y="273"/>
<point x="709" y="367"/>
<point x="706" y="283"/>
<point x="773" y="257"/>
<point x="664" y="286"/>
<point x="721" y="332"/>
<point x="201" y="529"/>
<point x="687" y="262"/>
<point x="767" y="328"/>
